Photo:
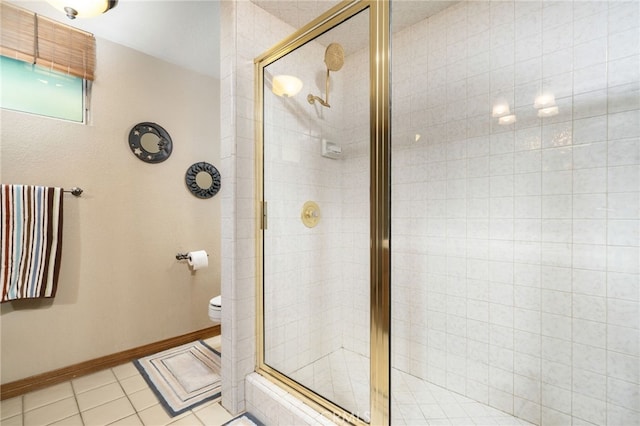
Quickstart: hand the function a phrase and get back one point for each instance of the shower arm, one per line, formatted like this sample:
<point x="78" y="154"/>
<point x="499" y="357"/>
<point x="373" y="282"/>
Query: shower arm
<point x="312" y="98"/>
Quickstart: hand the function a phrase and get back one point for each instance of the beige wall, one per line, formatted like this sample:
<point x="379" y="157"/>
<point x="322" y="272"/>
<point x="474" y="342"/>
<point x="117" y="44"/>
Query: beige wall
<point x="120" y="285"/>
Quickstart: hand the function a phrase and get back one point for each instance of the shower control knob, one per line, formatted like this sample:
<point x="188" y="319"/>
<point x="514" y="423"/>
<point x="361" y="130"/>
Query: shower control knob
<point x="310" y="214"/>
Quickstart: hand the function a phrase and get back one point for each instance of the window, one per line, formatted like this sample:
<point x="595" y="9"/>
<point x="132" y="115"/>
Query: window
<point x="37" y="90"/>
<point x="45" y="66"/>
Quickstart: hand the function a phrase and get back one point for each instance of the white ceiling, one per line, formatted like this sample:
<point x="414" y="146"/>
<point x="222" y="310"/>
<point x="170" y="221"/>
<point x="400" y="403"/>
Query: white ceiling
<point x="298" y="13"/>
<point x="187" y="32"/>
<point x="404" y="13"/>
<point x="183" y="32"/>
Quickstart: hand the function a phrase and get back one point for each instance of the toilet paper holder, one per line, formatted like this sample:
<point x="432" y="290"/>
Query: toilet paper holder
<point x="184" y="256"/>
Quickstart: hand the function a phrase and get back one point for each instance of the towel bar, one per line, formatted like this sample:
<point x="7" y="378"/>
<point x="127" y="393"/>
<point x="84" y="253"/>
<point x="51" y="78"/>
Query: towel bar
<point x="74" y="191"/>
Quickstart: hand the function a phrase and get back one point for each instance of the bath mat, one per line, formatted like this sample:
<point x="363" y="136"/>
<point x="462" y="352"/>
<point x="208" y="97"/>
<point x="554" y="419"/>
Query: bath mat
<point x="245" y="419"/>
<point x="183" y="377"/>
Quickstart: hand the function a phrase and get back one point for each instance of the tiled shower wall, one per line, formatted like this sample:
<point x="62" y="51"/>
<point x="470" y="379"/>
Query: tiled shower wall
<point x="318" y="296"/>
<point x="303" y="266"/>
<point x="247" y="31"/>
<point x="355" y="201"/>
<point x="526" y="289"/>
<point x="515" y="247"/>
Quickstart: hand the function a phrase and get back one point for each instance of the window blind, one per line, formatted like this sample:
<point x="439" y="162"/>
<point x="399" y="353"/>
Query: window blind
<point x="33" y="38"/>
<point x="17" y="34"/>
<point x="65" y="48"/>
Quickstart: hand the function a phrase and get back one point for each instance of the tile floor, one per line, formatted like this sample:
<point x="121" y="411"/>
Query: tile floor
<point x="417" y="402"/>
<point x="120" y="396"/>
<point x="342" y="376"/>
<point x="116" y="396"/>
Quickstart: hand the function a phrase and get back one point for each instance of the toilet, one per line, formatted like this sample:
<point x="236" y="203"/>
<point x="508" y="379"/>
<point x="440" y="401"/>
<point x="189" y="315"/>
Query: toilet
<point x="215" y="309"/>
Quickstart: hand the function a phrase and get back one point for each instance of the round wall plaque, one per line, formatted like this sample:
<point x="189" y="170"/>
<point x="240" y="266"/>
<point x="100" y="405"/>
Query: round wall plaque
<point x="203" y="180"/>
<point x="150" y="142"/>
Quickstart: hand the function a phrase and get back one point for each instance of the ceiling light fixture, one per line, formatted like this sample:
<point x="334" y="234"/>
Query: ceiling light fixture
<point x="83" y="8"/>
<point x="286" y="85"/>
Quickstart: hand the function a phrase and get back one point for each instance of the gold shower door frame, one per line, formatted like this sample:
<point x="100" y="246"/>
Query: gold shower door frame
<point x="380" y="204"/>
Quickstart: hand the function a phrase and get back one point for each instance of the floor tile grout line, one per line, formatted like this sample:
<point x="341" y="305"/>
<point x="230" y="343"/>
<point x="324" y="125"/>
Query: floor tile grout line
<point x="128" y="399"/>
<point x="75" y="398"/>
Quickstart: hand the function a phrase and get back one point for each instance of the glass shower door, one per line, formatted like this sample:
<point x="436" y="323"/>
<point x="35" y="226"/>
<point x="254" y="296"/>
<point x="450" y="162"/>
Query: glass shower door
<point x="316" y="215"/>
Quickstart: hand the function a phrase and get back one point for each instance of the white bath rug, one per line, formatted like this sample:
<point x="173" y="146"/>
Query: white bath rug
<point x="183" y="377"/>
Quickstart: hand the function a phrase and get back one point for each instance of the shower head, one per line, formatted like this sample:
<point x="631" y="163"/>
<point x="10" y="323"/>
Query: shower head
<point x="334" y="57"/>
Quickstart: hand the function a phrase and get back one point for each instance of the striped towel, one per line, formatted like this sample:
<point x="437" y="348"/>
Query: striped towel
<point x="31" y="231"/>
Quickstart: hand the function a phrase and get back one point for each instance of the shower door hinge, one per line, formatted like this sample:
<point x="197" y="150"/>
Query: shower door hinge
<point x="263" y="224"/>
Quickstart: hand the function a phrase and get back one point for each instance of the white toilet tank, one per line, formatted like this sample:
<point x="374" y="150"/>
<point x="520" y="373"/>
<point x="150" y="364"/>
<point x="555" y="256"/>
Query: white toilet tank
<point x="215" y="309"/>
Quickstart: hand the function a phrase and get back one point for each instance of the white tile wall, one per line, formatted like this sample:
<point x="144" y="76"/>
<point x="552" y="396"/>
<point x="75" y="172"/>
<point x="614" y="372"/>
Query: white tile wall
<point x="354" y="137"/>
<point x="515" y="247"/>
<point x="246" y="31"/>
<point x="314" y="275"/>
<point x="303" y="266"/>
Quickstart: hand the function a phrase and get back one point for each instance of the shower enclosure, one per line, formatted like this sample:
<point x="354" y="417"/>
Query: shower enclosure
<point x="315" y="163"/>
<point x="474" y="254"/>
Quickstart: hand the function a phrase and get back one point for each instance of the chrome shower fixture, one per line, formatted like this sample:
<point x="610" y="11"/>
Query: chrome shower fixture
<point x="334" y="59"/>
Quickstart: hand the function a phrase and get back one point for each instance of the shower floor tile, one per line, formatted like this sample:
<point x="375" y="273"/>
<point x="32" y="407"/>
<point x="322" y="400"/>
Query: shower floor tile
<point x="417" y="402"/>
<point x="342" y="377"/>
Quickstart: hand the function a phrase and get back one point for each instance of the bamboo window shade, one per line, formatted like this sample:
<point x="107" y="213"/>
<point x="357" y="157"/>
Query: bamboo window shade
<point x="32" y="38"/>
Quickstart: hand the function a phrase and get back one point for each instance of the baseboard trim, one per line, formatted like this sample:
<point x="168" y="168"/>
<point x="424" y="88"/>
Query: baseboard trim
<point x="39" y="381"/>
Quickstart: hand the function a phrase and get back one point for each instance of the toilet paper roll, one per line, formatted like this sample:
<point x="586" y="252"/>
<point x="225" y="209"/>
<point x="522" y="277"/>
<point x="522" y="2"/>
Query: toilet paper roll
<point x="198" y="259"/>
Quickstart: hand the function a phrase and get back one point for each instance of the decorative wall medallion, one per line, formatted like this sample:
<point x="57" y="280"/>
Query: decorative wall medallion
<point x="150" y="142"/>
<point x="203" y="180"/>
<point x="310" y="214"/>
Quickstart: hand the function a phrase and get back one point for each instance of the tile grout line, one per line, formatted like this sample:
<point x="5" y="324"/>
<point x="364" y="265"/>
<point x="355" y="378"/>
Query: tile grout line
<point x="126" y="395"/>
<point x="75" y="398"/>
